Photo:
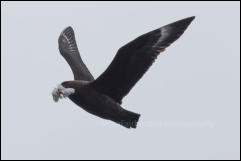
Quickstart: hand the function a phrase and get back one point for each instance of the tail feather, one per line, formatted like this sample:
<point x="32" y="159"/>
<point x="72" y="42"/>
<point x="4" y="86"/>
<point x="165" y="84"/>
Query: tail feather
<point x="129" y="119"/>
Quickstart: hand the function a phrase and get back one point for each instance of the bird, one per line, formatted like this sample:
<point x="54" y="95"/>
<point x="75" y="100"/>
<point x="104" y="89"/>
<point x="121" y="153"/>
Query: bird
<point x="103" y="96"/>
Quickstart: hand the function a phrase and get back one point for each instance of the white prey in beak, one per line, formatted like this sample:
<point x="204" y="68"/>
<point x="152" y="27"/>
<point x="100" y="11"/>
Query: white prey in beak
<point x="62" y="92"/>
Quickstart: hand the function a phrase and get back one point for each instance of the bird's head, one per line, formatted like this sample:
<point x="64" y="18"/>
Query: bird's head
<point x="62" y="91"/>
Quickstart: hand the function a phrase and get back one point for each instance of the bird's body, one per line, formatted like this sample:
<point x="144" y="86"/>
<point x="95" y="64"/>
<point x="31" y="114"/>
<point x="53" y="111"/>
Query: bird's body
<point x="100" y="104"/>
<point x="103" y="96"/>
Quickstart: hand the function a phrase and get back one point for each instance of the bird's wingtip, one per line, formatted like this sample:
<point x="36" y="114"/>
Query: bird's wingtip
<point x="191" y="18"/>
<point x="67" y="29"/>
<point x="188" y="19"/>
<point x="181" y="24"/>
<point x="67" y="35"/>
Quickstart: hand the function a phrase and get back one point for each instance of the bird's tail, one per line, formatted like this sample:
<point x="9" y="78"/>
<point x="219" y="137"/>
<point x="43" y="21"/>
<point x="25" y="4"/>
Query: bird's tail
<point x="129" y="119"/>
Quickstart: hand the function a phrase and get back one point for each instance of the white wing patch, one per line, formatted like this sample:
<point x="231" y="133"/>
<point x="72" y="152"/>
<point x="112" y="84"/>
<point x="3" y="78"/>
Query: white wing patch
<point x="66" y="38"/>
<point x="164" y="34"/>
<point x="62" y="92"/>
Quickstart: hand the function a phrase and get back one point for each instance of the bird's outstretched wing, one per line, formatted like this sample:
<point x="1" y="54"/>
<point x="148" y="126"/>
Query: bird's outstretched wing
<point x="133" y="59"/>
<point x="69" y="50"/>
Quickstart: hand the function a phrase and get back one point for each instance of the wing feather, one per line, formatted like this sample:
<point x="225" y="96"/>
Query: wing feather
<point x="69" y="50"/>
<point x="134" y="59"/>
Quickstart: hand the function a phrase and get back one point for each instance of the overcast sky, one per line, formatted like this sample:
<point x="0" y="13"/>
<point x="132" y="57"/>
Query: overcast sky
<point x="189" y="99"/>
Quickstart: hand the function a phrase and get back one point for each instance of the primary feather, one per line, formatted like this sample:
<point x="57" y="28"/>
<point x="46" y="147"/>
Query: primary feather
<point x="135" y="58"/>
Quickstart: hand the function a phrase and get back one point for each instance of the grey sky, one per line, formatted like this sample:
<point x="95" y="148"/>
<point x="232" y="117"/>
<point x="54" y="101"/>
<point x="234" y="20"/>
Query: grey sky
<point x="189" y="99"/>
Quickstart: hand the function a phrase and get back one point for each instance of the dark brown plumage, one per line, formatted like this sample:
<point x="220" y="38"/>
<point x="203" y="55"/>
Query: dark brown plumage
<point x="103" y="96"/>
